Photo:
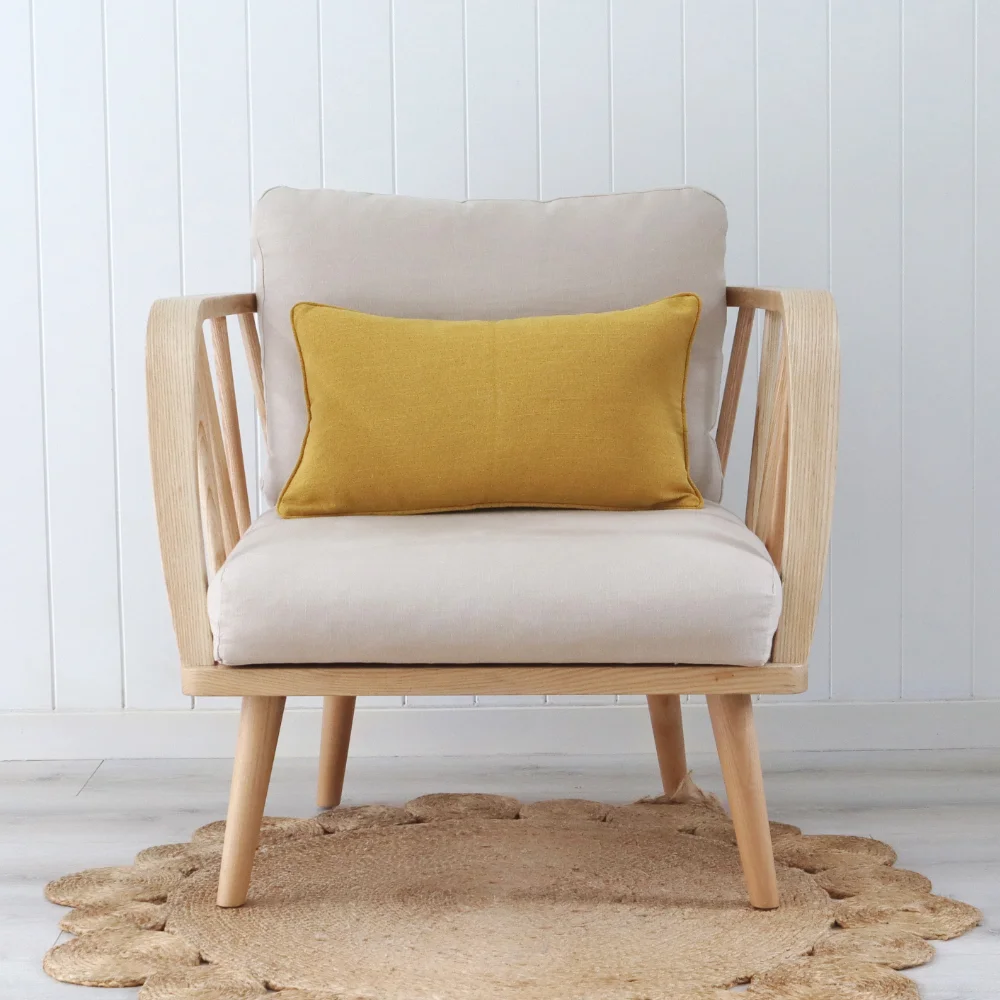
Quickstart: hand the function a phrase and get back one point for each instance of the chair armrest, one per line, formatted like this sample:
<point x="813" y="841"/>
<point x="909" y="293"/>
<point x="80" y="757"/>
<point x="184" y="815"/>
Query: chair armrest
<point x="793" y="466"/>
<point x="195" y="510"/>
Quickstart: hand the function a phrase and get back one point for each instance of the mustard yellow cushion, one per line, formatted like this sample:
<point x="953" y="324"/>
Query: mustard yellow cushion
<point x="412" y="415"/>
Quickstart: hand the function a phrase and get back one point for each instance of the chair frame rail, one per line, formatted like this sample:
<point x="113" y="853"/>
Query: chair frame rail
<point x="203" y="507"/>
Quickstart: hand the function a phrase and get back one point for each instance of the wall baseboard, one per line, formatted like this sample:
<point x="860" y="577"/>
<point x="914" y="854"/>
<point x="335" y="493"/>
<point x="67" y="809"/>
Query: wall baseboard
<point x="549" y="729"/>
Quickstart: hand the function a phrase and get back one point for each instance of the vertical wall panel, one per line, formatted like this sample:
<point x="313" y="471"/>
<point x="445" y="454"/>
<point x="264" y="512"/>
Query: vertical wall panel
<point x="284" y="94"/>
<point x="212" y="82"/>
<point x="793" y="206"/>
<point x="500" y="57"/>
<point x="145" y="265"/>
<point x="866" y="193"/>
<point x="721" y="153"/>
<point x="574" y="98"/>
<point x="285" y="116"/>
<point x="987" y="366"/>
<point x="147" y="130"/>
<point x="793" y="189"/>
<point x="214" y="130"/>
<point x="647" y="105"/>
<point x="938" y="240"/>
<point x="574" y="101"/>
<point x="77" y="349"/>
<point x="429" y="100"/>
<point x="501" y="51"/>
<point x="429" y="96"/>
<point x="214" y="147"/>
<point x="215" y="175"/>
<point x="356" y="43"/>
<point x="647" y="93"/>
<point x="26" y="681"/>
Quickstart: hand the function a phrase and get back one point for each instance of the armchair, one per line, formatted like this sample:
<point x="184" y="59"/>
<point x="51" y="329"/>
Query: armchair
<point x="203" y="511"/>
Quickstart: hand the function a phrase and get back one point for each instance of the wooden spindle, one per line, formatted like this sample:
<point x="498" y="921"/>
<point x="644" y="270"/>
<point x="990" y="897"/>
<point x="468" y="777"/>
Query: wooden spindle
<point x="251" y="344"/>
<point x="230" y="421"/>
<point x="209" y="420"/>
<point x="734" y="382"/>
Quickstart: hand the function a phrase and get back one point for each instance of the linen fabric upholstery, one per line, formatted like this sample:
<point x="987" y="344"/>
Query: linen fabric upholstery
<point x="498" y="586"/>
<point x="393" y="255"/>
<point x="418" y="415"/>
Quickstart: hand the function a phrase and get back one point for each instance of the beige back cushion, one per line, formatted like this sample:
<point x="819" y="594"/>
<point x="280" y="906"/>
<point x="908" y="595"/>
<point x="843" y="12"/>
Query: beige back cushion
<point x="415" y="257"/>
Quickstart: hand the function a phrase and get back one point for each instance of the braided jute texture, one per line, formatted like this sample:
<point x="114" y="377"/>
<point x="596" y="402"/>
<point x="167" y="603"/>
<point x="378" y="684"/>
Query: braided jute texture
<point x="481" y="897"/>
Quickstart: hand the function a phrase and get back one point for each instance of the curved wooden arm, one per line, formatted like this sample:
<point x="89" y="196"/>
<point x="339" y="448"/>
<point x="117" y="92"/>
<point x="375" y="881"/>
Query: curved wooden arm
<point x="793" y="466"/>
<point x="195" y="506"/>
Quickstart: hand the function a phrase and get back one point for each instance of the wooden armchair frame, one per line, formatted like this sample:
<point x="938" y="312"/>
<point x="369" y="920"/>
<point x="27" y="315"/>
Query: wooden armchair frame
<point x="202" y="509"/>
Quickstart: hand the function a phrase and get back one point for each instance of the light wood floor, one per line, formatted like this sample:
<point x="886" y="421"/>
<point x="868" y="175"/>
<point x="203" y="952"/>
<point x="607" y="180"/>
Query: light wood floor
<point x="940" y="810"/>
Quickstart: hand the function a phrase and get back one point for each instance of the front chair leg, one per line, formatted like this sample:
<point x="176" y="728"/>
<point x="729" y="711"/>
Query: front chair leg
<point x="338" y="717"/>
<point x="668" y="735"/>
<point x="260" y="721"/>
<point x="736" y="740"/>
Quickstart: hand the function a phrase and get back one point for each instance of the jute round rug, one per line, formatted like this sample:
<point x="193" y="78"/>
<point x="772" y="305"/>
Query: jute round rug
<point x="461" y="897"/>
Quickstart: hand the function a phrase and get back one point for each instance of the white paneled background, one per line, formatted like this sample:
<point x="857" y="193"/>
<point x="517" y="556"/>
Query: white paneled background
<point x="855" y="142"/>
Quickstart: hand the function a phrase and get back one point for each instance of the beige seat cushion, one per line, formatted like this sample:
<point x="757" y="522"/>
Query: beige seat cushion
<point x="416" y="257"/>
<point x="512" y="586"/>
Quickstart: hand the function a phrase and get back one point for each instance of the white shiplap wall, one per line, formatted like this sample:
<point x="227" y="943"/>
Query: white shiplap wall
<point x="855" y="142"/>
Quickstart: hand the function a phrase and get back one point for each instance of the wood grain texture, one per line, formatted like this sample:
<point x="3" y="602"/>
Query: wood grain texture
<point x="793" y="190"/>
<point x="736" y="740"/>
<point x="793" y="469"/>
<point x="734" y="382"/>
<point x="338" y="718"/>
<point x="174" y="342"/>
<point x="210" y="436"/>
<point x="809" y="354"/>
<point x="541" y="678"/>
<point x="229" y="420"/>
<point x="939" y="809"/>
<point x="251" y="347"/>
<point x="260" y="723"/>
<point x="767" y="491"/>
<point x="668" y="735"/>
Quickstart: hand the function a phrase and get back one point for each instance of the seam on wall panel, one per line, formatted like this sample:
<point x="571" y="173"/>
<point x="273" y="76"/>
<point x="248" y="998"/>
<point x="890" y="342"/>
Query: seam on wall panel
<point x="975" y="326"/>
<point x="41" y="362"/>
<point x="902" y="341"/>
<point x="112" y="343"/>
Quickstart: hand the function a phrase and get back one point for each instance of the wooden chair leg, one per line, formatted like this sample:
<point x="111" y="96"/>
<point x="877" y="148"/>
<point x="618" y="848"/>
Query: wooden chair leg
<point x="736" y="740"/>
<point x="668" y="734"/>
<point x="260" y="721"/>
<point x="338" y="717"/>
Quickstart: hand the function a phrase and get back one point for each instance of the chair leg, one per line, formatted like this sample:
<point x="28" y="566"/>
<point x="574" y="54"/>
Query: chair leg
<point x="260" y="721"/>
<point x="668" y="734"/>
<point x="736" y="740"/>
<point x="338" y="717"/>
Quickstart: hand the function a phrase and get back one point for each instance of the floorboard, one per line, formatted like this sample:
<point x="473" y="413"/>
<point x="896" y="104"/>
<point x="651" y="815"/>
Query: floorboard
<point x="939" y="809"/>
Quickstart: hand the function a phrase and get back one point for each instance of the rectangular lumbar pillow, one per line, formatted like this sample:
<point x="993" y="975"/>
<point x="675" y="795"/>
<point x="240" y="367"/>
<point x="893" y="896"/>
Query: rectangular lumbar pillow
<point x="412" y="416"/>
